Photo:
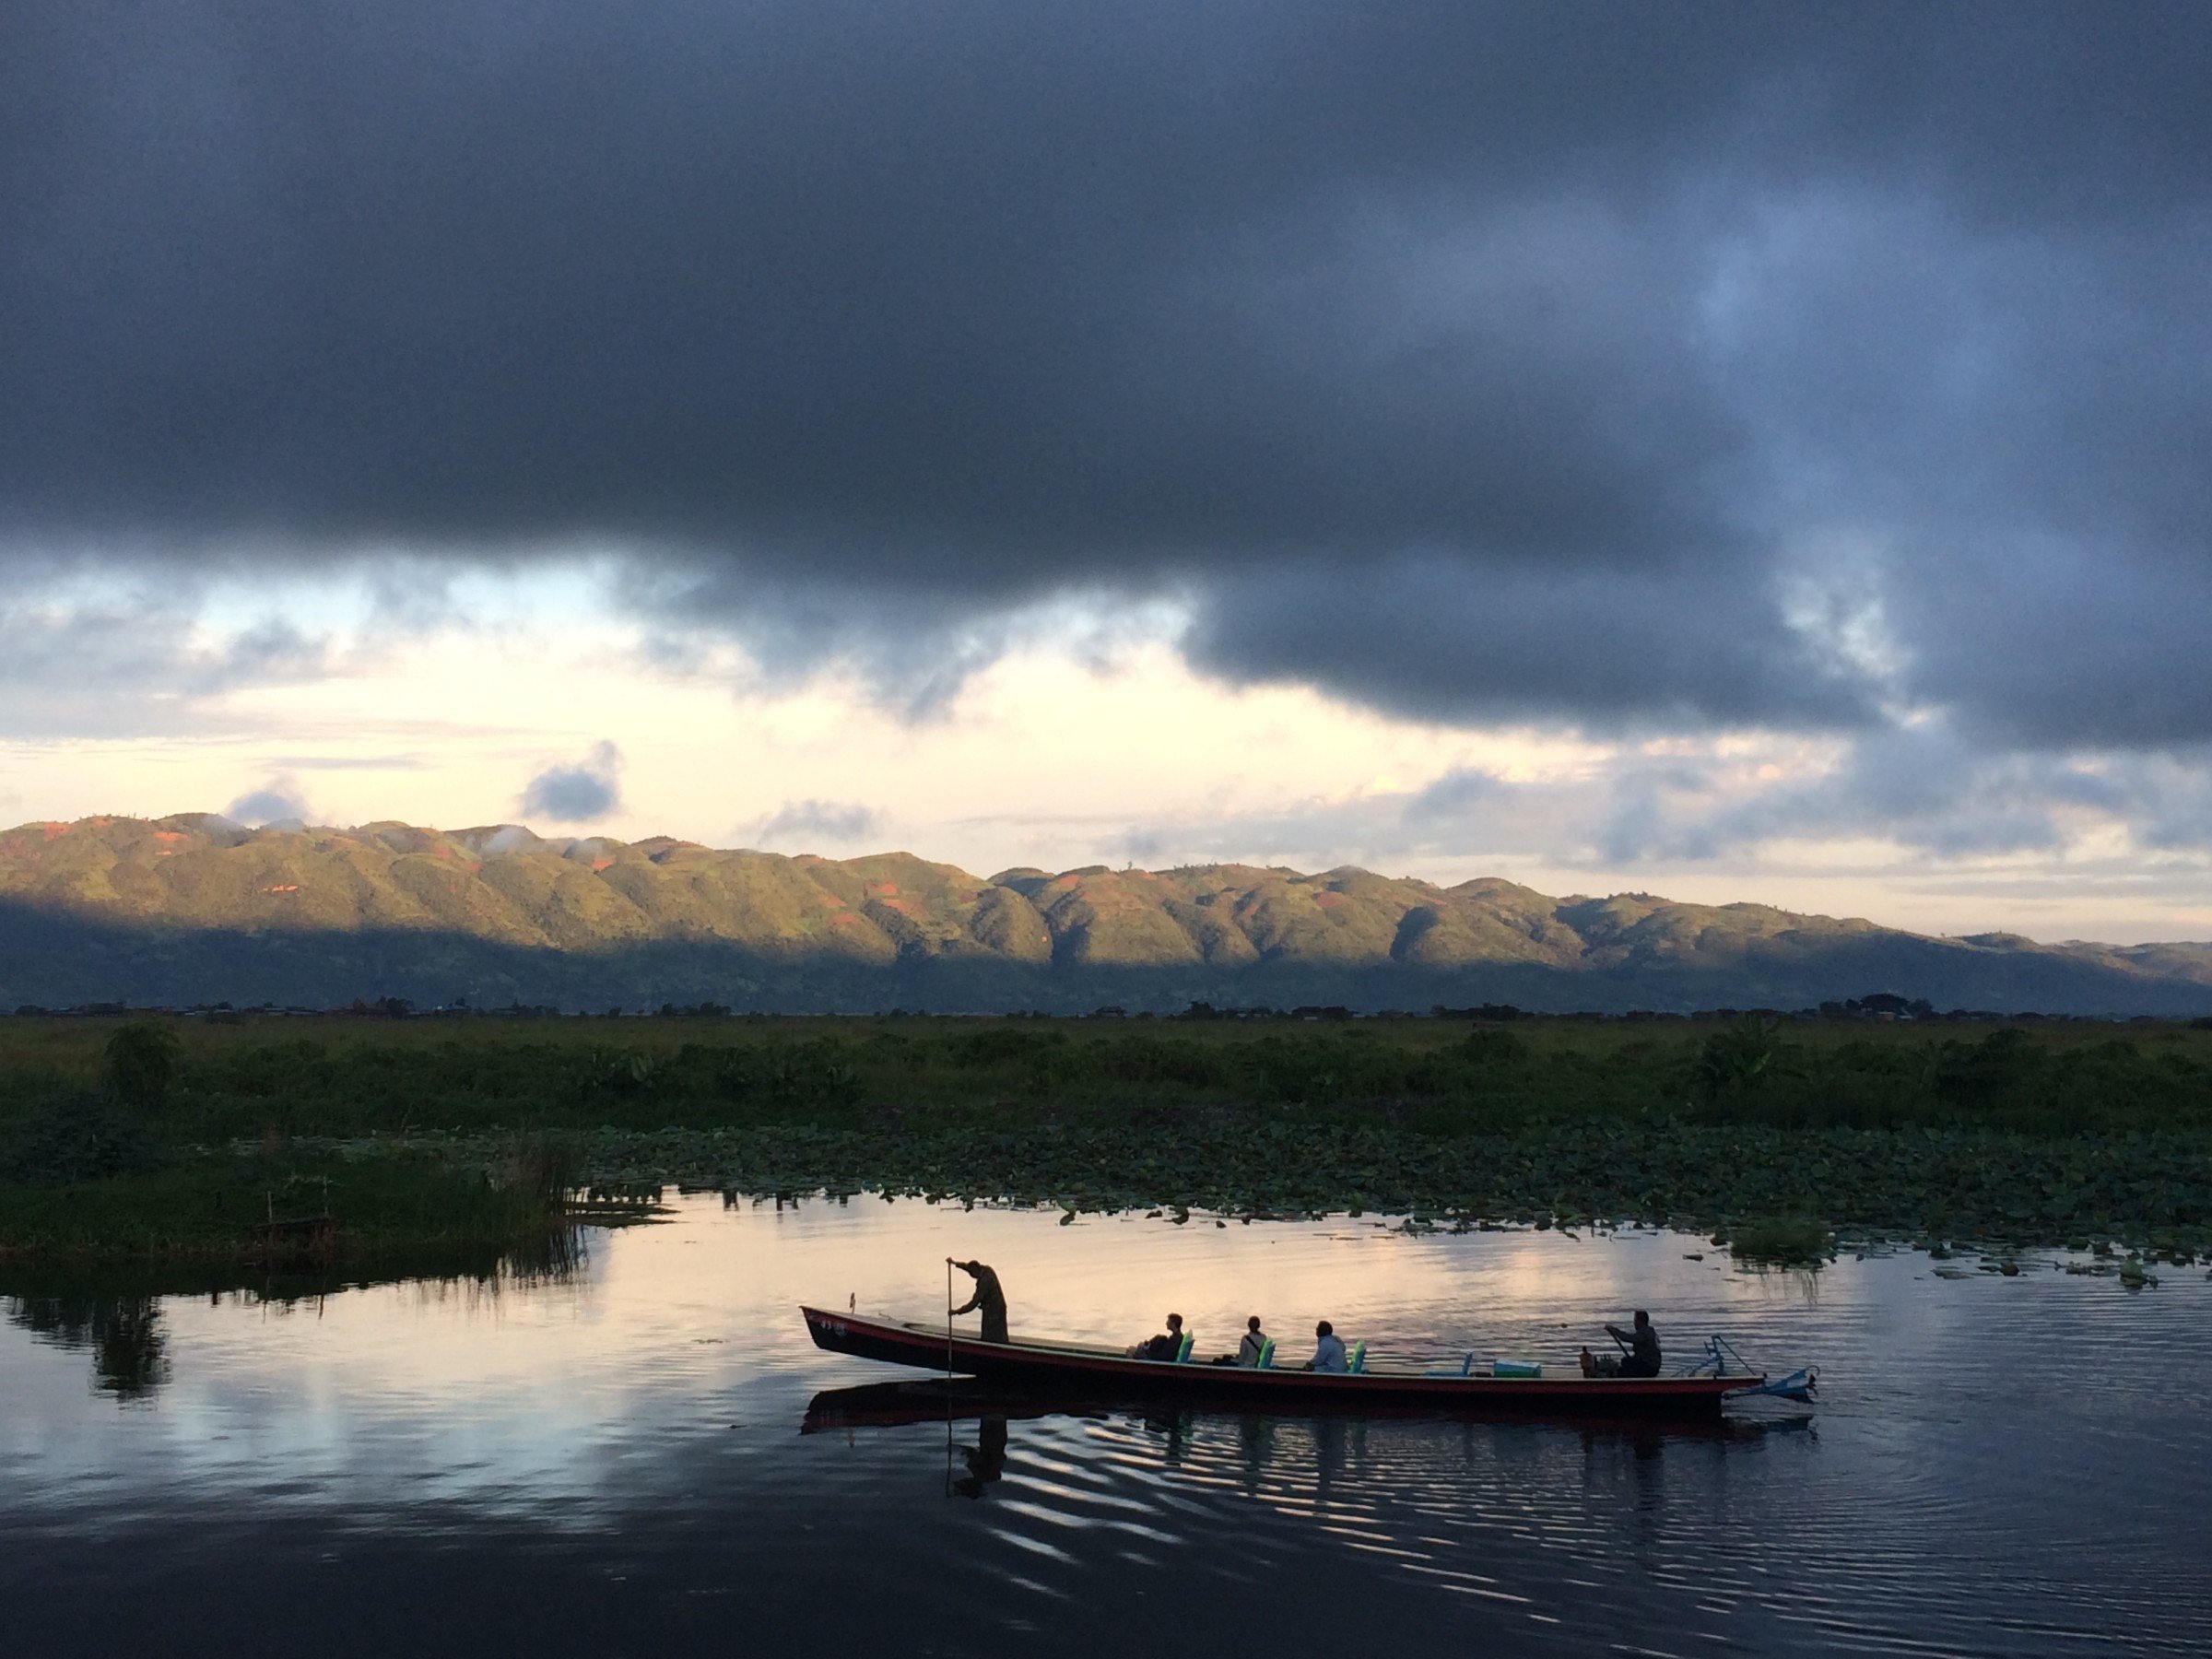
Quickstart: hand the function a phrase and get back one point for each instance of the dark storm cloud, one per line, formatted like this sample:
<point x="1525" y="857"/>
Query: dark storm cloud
<point x="1430" y="636"/>
<point x="1468" y="359"/>
<point x="579" y="793"/>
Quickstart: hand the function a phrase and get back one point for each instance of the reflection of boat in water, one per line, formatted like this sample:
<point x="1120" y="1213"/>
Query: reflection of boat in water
<point x="1071" y="1368"/>
<point x="931" y="1400"/>
<point x="963" y="1400"/>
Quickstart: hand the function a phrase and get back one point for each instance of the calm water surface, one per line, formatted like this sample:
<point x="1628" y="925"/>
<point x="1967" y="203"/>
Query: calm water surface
<point x="611" y="1463"/>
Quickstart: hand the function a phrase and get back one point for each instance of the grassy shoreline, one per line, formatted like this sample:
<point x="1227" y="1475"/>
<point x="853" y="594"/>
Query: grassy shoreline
<point x="214" y="1208"/>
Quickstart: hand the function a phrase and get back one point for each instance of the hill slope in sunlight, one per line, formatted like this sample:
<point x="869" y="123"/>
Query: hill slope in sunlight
<point x="196" y="909"/>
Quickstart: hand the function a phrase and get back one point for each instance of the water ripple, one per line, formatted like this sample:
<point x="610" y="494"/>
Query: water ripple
<point x="610" y="1462"/>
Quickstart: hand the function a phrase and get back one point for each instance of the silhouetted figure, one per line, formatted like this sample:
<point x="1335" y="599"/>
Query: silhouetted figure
<point x="1255" y="1445"/>
<point x="988" y="1298"/>
<point x="986" y="1460"/>
<point x="1642" y="1340"/>
<point x="1168" y="1345"/>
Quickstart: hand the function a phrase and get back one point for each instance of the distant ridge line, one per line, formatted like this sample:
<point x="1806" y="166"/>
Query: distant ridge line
<point x="115" y="908"/>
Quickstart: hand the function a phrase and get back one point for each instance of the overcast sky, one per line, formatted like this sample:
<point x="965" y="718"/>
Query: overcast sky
<point x="1747" y="452"/>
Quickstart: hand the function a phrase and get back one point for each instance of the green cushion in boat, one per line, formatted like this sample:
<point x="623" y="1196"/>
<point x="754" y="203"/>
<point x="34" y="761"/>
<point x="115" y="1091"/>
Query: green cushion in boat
<point x="1355" y="1362"/>
<point x="1266" y="1356"/>
<point x="1182" y="1354"/>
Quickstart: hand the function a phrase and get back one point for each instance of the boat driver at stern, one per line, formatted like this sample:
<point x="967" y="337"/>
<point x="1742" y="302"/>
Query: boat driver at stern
<point x="1641" y="1352"/>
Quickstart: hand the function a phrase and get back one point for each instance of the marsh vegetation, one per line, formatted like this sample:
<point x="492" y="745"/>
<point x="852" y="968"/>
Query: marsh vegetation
<point x="114" y="1131"/>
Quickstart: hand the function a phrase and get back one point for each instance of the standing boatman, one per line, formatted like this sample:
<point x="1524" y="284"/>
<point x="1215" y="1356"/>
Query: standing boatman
<point x="988" y="1296"/>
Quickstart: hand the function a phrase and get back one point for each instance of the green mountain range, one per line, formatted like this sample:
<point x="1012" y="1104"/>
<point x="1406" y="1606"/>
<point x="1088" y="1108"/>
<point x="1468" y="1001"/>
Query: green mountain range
<point x="194" y="908"/>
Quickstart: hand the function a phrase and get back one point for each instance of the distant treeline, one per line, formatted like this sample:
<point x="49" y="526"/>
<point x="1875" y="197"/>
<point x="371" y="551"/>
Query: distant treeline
<point x="1431" y="1076"/>
<point x="1874" y="1005"/>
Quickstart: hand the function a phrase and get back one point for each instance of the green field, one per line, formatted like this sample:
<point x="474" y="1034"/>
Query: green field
<point x="2045" y="1132"/>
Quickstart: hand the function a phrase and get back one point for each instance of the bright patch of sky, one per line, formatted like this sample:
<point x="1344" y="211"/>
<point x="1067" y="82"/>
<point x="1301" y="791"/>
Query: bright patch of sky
<point x="1082" y="743"/>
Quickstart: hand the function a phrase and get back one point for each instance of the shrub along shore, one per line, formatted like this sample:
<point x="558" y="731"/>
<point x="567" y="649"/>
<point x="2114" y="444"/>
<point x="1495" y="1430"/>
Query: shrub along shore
<point x="282" y="1208"/>
<point x="188" y="1138"/>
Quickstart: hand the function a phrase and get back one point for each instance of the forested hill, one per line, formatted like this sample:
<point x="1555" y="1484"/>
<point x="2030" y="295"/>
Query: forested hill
<point x="194" y="908"/>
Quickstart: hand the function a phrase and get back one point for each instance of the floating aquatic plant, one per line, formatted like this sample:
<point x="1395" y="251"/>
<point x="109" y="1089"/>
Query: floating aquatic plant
<point x="1788" y="1241"/>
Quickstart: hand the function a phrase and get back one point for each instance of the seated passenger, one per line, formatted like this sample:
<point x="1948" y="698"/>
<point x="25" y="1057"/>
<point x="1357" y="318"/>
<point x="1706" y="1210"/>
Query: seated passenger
<point x="1328" y="1351"/>
<point x="1165" y="1346"/>
<point x="1255" y="1343"/>
<point x="1249" y="1350"/>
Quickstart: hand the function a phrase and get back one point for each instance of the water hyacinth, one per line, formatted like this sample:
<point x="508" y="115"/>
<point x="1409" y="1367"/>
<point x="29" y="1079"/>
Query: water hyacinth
<point x="2017" y="1188"/>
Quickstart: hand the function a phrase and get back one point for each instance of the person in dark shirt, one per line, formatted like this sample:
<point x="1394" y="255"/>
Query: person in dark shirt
<point x="1165" y="1346"/>
<point x="988" y="1298"/>
<point x="1642" y="1340"/>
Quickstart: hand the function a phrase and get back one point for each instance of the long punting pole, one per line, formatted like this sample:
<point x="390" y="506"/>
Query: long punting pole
<point x="947" y="1376"/>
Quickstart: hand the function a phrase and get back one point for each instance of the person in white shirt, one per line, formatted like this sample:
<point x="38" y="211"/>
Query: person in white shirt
<point x="1328" y="1350"/>
<point x="1254" y="1344"/>
<point x="1249" y="1349"/>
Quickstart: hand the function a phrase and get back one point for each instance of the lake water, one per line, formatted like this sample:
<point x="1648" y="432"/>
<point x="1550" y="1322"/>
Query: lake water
<point x="610" y="1462"/>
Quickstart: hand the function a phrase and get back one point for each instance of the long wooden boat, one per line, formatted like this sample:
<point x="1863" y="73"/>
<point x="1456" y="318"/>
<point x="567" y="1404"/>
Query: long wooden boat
<point x="1072" y="1367"/>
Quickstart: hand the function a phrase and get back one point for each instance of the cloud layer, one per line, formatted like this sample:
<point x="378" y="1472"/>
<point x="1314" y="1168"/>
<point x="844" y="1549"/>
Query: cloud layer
<point x="840" y="821"/>
<point x="1923" y="805"/>
<point x="1360" y="326"/>
<point x="581" y="794"/>
<point x="281" y="800"/>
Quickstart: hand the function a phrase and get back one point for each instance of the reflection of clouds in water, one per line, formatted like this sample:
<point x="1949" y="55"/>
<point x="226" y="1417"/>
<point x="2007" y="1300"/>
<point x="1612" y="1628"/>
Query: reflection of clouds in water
<point x="653" y="1397"/>
<point x="248" y="1381"/>
<point x="486" y="1393"/>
